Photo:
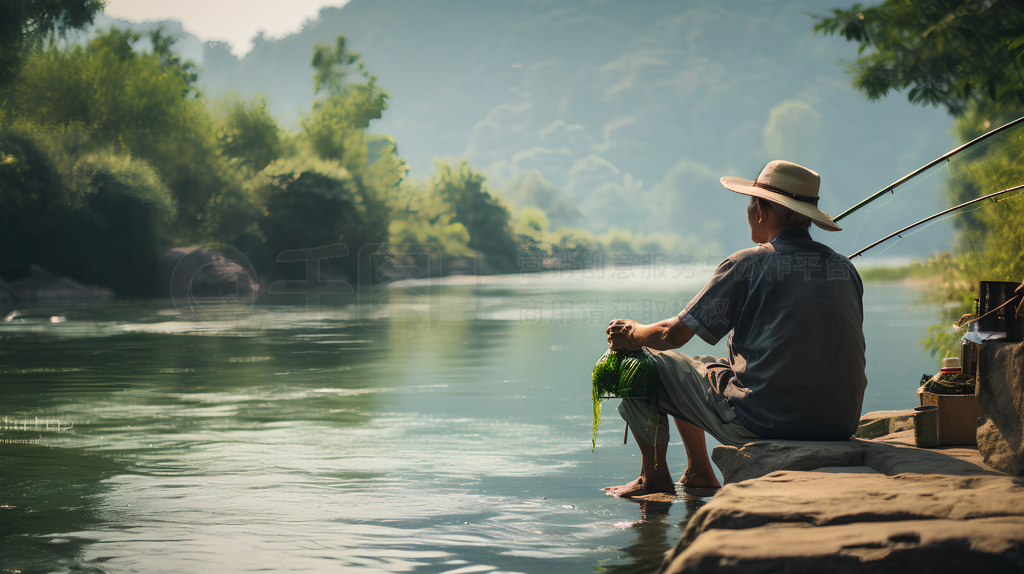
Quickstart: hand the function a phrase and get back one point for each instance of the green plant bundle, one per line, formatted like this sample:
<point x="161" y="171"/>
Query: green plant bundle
<point x="625" y="375"/>
<point x="948" y="384"/>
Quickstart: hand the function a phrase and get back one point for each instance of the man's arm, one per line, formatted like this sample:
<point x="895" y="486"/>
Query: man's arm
<point x="627" y="334"/>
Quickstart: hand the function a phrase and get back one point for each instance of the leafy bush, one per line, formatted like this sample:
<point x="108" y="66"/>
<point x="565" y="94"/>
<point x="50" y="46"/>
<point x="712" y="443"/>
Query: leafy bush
<point x="248" y="134"/>
<point x="312" y="203"/>
<point x="115" y="216"/>
<point x="30" y="190"/>
<point x="100" y="219"/>
<point x="487" y="220"/>
<point x="991" y="238"/>
<point x="110" y="155"/>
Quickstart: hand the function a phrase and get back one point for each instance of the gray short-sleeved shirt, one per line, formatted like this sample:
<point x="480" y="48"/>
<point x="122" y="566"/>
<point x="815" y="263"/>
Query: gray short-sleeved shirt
<point x="796" y="354"/>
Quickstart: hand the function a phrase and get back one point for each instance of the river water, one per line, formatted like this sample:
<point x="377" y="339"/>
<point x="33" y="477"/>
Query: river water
<point x="445" y="429"/>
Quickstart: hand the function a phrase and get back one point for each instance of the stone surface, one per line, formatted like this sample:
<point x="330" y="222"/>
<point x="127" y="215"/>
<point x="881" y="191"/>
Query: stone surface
<point x="890" y="455"/>
<point x="194" y="272"/>
<point x="999" y="453"/>
<point x="869" y="506"/>
<point x="759" y="458"/>
<point x="41" y="286"/>
<point x="1001" y="397"/>
<point x="980" y="545"/>
<point x="881" y="423"/>
<point x="822" y="499"/>
<point x="968" y="454"/>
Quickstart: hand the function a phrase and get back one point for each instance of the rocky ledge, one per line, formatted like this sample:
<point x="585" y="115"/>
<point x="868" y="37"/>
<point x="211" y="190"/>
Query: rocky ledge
<point x="878" y="505"/>
<point x="855" y="506"/>
<point x="43" y="286"/>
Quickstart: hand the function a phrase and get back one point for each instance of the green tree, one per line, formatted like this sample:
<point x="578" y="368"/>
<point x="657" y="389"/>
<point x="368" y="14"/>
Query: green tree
<point x="966" y="56"/>
<point x="114" y="220"/>
<point x="86" y="200"/>
<point x="312" y="203"/>
<point x="114" y="98"/>
<point x="336" y="122"/>
<point x="248" y="134"/>
<point x="109" y="155"/>
<point x="26" y="24"/>
<point x="331" y="190"/>
<point x="423" y="217"/>
<point x="30" y="187"/>
<point x="950" y="53"/>
<point x="318" y="187"/>
<point x="487" y="220"/>
<point x="100" y="218"/>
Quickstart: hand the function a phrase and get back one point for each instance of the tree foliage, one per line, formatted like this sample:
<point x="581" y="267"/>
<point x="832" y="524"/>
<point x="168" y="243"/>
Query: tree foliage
<point x="991" y="238"/>
<point x="248" y="134"/>
<point x="950" y="53"/>
<point x="100" y="218"/>
<point x="26" y="24"/>
<point x="487" y="220"/>
<point x="454" y="211"/>
<point x="966" y="56"/>
<point x="106" y="95"/>
<point x="109" y="155"/>
<point x="336" y="122"/>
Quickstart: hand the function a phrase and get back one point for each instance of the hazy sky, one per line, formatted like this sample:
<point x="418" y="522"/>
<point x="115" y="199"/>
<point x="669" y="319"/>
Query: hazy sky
<point x="231" y="21"/>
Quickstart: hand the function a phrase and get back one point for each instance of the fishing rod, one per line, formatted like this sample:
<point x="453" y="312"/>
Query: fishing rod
<point x="939" y="214"/>
<point x="930" y="165"/>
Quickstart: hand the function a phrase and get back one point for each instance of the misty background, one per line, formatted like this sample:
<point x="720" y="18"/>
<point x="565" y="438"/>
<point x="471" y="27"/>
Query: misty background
<point x="610" y="114"/>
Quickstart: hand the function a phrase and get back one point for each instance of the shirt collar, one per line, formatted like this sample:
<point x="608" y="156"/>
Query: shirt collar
<point x="792" y="233"/>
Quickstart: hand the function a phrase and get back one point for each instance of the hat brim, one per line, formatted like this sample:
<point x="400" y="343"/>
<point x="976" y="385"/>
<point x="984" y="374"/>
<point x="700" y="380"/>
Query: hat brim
<point x="746" y="187"/>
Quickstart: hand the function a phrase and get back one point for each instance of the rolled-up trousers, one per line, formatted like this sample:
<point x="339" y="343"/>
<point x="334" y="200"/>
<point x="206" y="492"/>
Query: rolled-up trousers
<point x="686" y="393"/>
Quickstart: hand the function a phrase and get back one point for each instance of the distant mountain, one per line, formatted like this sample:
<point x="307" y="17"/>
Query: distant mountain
<point x="630" y="111"/>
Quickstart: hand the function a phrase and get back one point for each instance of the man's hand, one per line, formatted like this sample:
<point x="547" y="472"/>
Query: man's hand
<point x="622" y="335"/>
<point x="629" y="335"/>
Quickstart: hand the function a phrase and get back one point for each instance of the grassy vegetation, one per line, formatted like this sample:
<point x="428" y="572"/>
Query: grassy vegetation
<point x="933" y="267"/>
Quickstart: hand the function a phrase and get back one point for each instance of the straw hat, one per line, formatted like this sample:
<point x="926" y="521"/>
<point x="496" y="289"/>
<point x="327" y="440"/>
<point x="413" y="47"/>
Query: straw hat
<point x="788" y="184"/>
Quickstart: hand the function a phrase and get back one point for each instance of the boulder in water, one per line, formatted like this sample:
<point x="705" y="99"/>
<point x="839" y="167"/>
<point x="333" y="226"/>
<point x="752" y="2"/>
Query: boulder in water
<point x="194" y="271"/>
<point x="41" y="285"/>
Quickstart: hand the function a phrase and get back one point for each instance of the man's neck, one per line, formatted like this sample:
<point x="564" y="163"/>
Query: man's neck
<point x="781" y="229"/>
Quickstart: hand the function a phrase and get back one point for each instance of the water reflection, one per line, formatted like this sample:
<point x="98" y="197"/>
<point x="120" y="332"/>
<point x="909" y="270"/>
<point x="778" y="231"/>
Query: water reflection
<point x="51" y="498"/>
<point x="655" y="533"/>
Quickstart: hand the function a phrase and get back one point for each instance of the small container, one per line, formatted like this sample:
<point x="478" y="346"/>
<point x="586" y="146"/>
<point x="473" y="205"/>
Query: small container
<point x="950" y="365"/>
<point x="926" y="427"/>
<point x="968" y="357"/>
<point x="957" y="417"/>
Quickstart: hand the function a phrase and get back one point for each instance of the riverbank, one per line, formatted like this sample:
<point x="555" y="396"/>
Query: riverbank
<point x="855" y="506"/>
<point x="915" y="273"/>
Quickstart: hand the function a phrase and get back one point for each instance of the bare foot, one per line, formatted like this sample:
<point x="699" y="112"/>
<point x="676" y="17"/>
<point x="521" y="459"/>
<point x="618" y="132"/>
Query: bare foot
<point x="641" y="487"/>
<point x="632" y="485"/>
<point x="695" y="479"/>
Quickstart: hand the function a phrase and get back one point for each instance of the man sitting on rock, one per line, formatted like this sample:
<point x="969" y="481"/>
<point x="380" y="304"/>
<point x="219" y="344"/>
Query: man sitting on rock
<point x="795" y="368"/>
